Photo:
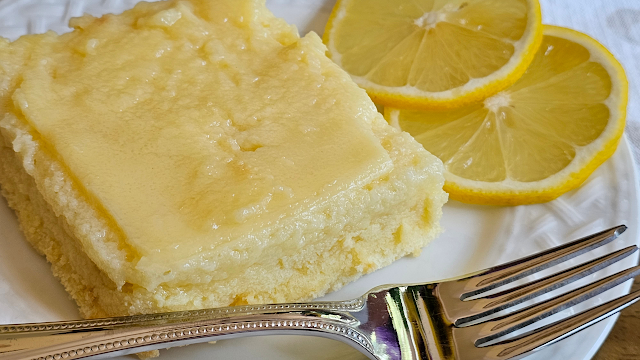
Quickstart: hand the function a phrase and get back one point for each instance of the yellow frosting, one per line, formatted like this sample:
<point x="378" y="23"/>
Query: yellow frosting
<point x="191" y="125"/>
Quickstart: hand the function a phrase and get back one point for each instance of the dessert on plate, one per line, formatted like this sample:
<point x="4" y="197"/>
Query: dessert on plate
<point x="191" y="154"/>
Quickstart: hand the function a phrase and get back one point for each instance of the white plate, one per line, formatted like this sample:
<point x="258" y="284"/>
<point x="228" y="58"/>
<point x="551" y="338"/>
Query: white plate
<point x="476" y="237"/>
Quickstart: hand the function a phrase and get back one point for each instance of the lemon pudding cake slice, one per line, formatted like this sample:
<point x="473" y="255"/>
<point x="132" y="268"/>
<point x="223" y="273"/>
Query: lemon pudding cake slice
<point x="190" y="154"/>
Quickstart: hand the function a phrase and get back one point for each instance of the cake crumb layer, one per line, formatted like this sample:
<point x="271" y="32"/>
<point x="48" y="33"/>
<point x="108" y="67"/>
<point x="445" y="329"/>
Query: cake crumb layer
<point x="190" y="154"/>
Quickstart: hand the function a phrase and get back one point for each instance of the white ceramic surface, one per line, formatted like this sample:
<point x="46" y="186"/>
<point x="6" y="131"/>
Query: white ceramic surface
<point x="476" y="237"/>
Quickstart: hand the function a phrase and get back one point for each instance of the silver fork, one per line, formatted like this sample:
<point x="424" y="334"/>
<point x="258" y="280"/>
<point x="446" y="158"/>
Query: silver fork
<point x="444" y="320"/>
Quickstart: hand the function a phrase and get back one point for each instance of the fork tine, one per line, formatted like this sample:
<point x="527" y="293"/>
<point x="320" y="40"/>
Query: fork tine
<point x="552" y="333"/>
<point x="496" y="328"/>
<point x="518" y="269"/>
<point x="497" y="302"/>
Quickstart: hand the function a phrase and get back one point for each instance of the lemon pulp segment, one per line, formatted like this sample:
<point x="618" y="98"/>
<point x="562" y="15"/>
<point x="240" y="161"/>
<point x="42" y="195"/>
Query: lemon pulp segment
<point x="429" y="53"/>
<point x="542" y="136"/>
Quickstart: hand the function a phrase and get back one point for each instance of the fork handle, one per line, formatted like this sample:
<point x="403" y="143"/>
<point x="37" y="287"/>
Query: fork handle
<point x="110" y="337"/>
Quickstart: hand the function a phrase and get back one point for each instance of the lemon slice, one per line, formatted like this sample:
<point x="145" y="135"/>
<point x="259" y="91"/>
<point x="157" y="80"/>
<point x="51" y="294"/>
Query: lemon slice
<point x="433" y="54"/>
<point x="538" y="139"/>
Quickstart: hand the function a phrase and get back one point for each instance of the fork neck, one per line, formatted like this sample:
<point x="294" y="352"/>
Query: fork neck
<point x="407" y="322"/>
<point x="133" y="334"/>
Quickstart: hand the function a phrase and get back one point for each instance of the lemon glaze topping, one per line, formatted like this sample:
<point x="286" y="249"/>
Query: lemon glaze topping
<point x="193" y="125"/>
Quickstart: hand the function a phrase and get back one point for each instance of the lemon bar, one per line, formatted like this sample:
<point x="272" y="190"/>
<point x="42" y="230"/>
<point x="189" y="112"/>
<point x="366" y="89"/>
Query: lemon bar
<point x="191" y="154"/>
